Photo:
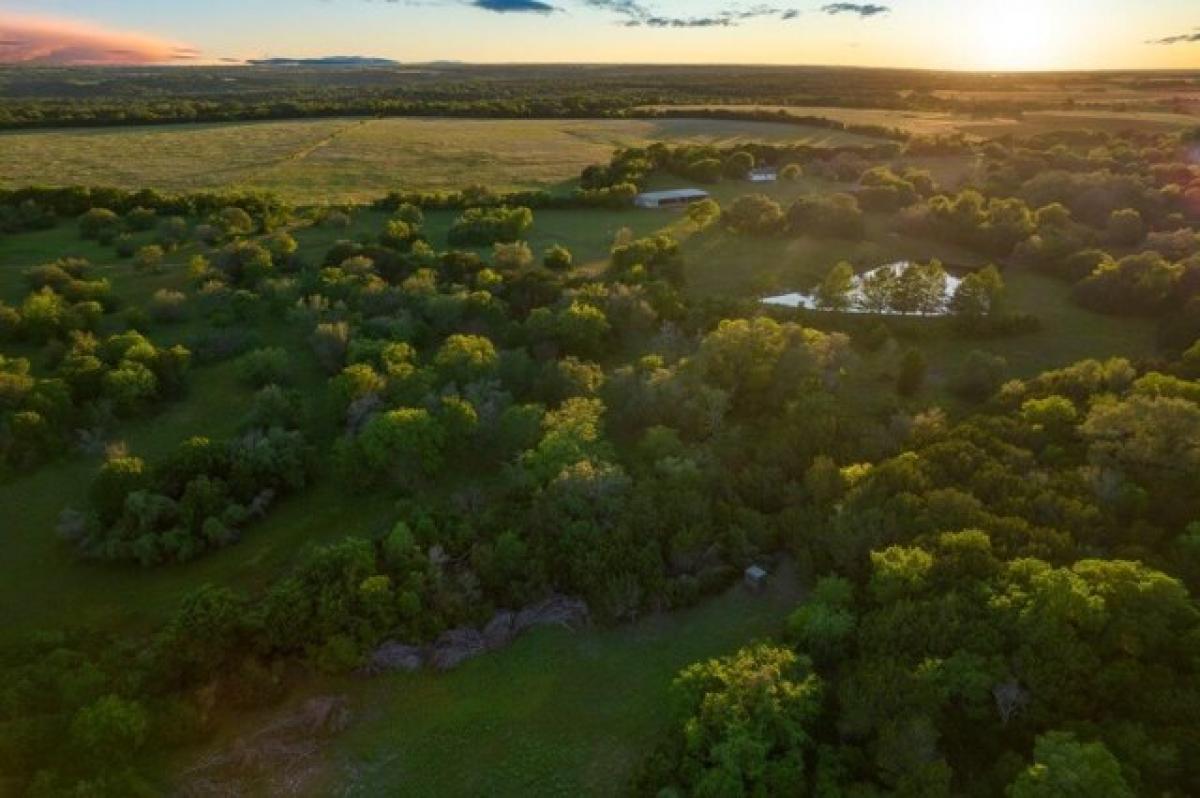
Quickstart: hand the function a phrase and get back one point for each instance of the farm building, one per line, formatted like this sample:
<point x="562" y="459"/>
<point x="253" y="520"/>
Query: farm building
<point x="764" y="174"/>
<point x="669" y="199"/>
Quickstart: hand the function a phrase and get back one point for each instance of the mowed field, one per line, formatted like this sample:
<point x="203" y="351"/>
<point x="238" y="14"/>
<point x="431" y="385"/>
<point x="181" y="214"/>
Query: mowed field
<point x="357" y="160"/>
<point x="933" y="123"/>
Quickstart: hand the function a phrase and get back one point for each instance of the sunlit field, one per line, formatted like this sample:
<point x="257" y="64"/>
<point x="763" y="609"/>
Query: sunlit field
<point x="988" y="125"/>
<point x="357" y="160"/>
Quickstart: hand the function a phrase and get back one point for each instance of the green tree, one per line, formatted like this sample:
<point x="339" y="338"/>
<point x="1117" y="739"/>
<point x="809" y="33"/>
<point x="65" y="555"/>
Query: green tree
<point x="745" y="723"/>
<point x="110" y="731"/>
<point x="754" y="214"/>
<point x="1064" y="767"/>
<point x="913" y="368"/>
<point x="403" y="438"/>
<point x="704" y="213"/>
<point x="557" y="258"/>
<point x="1126" y="228"/>
<point x="466" y="358"/>
<point x="834" y="291"/>
<point x="738" y="165"/>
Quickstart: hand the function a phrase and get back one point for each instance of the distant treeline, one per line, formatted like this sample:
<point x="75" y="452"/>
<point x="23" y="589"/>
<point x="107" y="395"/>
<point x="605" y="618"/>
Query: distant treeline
<point x="87" y="96"/>
<point x="35" y="208"/>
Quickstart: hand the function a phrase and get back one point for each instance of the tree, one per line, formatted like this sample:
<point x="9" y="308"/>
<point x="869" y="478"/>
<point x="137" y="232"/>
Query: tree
<point x="99" y="224"/>
<point x="980" y="376"/>
<point x="1064" y="767"/>
<point x="977" y="293"/>
<point x="878" y="288"/>
<point x="1054" y="415"/>
<point x="743" y="723"/>
<point x="912" y="373"/>
<point x="118" y="477"/>
<point x="330" y="341"/>
<point x="1125" y="228"/>
<point x="738" y="165"/>
<point x="557" y="258"/>
<point x="792" y="172"/>
<point x="836" y="216"/>
<point x="234" y="221"/>
<point x="512" y="257"/>
<point x="833" y="292"/>
<point x="582" y="329"/>
<point x="402" y="439"/>
<point x="465" y="359"/>
<point x="110" y="731"/>
<point x="490" y="225"/>
<point x="704" y="213"/>
<point x="754" y="214"/>
<point x="824" y="625"/>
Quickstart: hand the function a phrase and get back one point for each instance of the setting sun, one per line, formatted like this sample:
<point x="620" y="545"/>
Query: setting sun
<point x="1015" y="34"/>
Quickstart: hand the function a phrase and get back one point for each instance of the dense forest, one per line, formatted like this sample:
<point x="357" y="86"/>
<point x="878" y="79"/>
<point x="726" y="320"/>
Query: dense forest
<point x="1002" y="576"/>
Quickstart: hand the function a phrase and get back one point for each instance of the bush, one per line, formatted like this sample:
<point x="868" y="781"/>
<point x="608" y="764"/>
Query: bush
<point x="754" y="214"/>
<point x="99" y="224"/>
<point x="486" y="226"/>
<point x="167" y="306"/>
<point x="198" y="500"/>
<point x="837" y="216"/>
<point x="267" y="366"/>
<point x="149" y="258"/>
<point x="330" y="342"/>
<point x="980" y="376"/>
<point x="557" y="258"/>
<point x="139" y="220"/>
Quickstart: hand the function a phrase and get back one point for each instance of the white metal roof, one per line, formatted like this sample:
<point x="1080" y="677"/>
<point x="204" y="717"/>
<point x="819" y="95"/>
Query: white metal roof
<point x="675" y="193"/>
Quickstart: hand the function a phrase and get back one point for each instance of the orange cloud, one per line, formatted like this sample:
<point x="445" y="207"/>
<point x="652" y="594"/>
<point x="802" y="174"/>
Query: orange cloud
<point x="46" y="40"/>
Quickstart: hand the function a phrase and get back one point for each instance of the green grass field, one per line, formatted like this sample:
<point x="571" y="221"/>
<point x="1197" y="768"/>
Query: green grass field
<point x="356" y="160"/>
<point x="557" y="714"/>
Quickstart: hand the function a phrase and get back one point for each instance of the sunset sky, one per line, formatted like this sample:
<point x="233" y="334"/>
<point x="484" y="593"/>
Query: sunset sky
<point x="957" y="34"/>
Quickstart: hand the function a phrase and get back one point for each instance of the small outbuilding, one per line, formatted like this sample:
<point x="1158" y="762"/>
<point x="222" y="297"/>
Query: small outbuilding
<point x="756" y="577"/>
<point x="763" y="174"/>
<point x="669" y="199"/>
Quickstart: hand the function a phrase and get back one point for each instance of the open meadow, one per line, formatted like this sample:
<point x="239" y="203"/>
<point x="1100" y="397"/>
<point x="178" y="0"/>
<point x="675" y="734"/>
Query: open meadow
<point x="331" y="161"/>
<point x="982" y="125"/>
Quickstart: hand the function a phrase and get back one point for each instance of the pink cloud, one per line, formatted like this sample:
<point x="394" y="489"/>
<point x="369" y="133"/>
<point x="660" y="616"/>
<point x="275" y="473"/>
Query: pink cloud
<point x="46" y="40"/>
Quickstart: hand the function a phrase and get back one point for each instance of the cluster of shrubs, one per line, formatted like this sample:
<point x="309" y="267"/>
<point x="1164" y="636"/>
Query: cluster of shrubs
<point x="63" y="298"/>
<point x="485" y="226"/>
<point x="201" y="498"/>
<point x="832" y="216"/>
<point x="94" y="381"/>
<point x="72" y="202"/>
<point x="610" y="195"/>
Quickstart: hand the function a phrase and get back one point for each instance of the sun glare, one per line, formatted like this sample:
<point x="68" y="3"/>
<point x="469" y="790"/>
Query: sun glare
<point x="1014" y="34"/>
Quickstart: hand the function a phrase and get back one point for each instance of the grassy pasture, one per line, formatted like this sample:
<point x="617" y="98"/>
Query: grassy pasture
<point x="558" y="713"/>
<point x="356" y="160"/>
<point x="932" y="123"/>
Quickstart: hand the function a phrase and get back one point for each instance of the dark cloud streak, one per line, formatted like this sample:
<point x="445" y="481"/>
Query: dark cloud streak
<point x="638" y="15"/>
<point x="1185" y="38"/>
<point x="515" y="6"/>
<point x="863" y="10"/>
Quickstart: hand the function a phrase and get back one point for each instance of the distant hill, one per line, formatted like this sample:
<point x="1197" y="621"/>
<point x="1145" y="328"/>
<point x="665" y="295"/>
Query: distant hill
<point x="329" y="60"/>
